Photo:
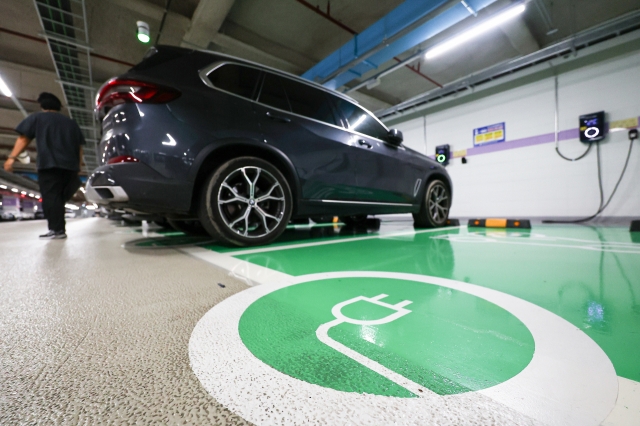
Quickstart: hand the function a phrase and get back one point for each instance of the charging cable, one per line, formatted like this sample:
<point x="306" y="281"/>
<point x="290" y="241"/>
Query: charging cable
<point x="633" y="135"/>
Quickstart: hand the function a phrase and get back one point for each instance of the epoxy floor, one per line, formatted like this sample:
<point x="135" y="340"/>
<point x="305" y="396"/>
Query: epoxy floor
<point x="379" y="324"/>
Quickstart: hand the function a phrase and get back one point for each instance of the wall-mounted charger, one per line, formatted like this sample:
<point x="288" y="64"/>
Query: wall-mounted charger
<point x="592" y="127"/>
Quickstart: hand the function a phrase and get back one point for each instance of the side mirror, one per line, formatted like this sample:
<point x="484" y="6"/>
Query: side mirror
<point x="395" y="137"/>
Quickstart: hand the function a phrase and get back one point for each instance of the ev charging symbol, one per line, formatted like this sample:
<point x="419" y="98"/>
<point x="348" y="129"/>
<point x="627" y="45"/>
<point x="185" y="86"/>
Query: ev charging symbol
<point x="323" y="335"/>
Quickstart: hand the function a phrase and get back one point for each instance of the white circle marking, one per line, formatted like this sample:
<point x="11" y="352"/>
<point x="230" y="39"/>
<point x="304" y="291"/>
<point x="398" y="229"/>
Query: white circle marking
<point x="569" y="380"/>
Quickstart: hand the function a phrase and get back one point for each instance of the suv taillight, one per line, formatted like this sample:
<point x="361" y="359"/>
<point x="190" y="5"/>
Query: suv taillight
<point x="123" y="159"/>
<point x="117" y="91"/>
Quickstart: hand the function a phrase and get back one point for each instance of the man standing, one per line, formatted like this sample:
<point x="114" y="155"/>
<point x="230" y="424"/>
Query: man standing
<point x="59" y="144"/>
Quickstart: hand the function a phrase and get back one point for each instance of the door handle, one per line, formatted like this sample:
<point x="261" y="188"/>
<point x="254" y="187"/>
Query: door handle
<point x="362" y="142"/>
<point x="278" y="118"/>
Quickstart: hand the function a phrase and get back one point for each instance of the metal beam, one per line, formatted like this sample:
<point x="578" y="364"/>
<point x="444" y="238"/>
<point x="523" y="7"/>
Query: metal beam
<point x="206" y="21"/>
<point x="386" y="72"/>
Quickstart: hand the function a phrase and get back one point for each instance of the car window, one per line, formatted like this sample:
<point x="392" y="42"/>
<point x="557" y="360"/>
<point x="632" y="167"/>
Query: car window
<point x="309" y="102"/>
<point x="236" y="79"/>
<point x="273" y="93"/>
<point x="360" y="120"/>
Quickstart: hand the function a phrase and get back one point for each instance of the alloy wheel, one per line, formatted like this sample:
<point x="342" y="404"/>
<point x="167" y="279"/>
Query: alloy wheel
<point x="251" y="202"/>
<point x="438" y="203"/>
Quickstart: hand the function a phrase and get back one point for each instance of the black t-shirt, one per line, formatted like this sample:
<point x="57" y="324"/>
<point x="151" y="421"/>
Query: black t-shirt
<point x="58" y="139"/>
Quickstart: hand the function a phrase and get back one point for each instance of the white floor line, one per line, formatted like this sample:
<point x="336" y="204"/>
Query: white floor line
<point x="475" y="239"/>
<point x="627" y="409"/>
<point x="346" y="240"/>
<point x="248" y="272"/>
<point x="322" y="333"/>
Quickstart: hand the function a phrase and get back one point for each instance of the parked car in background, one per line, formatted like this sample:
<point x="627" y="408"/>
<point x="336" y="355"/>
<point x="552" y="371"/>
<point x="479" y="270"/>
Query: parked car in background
<point x="205" y="139"/>
<point x="6" y="216"/>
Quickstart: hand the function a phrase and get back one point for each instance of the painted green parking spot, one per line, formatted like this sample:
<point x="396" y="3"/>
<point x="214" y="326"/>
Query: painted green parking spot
<point x="449" y="342"/>
<point x="589" y="276"/>
<point x="315" y="233"/>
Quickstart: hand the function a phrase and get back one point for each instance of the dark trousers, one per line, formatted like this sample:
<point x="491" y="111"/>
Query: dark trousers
<point x="57" y="186"/>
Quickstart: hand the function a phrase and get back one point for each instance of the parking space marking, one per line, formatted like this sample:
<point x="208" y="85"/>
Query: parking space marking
<point x="559" y="378"/>
<point x="542" y="240"/>
<point x="346" y="240"/>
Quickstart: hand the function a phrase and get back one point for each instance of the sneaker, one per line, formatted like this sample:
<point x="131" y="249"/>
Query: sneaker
<point x="52" y="235"/>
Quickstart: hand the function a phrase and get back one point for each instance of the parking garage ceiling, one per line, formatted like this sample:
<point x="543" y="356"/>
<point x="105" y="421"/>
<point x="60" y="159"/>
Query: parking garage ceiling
<point x="291" y="35"/>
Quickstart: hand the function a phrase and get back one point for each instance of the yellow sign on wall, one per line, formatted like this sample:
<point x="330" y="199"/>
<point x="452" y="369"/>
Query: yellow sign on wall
<point x="489" y="134"/>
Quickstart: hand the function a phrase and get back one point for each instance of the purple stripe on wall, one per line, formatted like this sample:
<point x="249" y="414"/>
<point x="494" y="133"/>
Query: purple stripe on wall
<point x="569" y="134"/>
<point x="518" y="143"/>
<point x="563" y="135"/>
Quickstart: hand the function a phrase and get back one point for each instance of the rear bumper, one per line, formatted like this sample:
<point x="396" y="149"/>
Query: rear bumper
<point x="137" y="187"/>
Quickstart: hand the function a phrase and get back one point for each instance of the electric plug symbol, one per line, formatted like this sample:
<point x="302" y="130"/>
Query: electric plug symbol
<point x="398" y="307"/>
<point x="323" y="335"/>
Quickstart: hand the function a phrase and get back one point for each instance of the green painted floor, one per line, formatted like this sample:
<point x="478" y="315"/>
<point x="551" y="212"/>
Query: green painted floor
<point x="588" y="275"/>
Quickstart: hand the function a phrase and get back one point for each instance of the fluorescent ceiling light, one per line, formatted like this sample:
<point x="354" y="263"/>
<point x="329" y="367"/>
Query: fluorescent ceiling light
<point x="475" y="31"/>
<point x="4" y="88"/>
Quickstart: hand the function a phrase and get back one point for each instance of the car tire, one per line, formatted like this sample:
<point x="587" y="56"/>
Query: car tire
<point x="246" y="202"/>
<point x="189" y="227"/>
<point x="434" y="209"/>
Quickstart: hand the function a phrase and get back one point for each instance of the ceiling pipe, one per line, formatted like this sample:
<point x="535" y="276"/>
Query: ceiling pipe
<point x="164" y="17"/>
<point x="40" y="40"/>
<point x="328" y="16"/>
<point x="362" y="57"/>
<point x="387" y="72"/>
<point x="409" y="24"/>
<point x="417" y="71"/>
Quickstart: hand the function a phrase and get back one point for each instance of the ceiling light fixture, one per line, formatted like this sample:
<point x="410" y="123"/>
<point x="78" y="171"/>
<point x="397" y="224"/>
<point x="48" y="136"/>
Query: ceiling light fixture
<point x="476" y="31"/>
<point x="4" y="88"/>
<point x="143" y="31"/>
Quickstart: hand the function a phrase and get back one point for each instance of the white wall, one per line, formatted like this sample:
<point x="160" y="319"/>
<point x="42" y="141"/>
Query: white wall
<point x="534" y="181"/>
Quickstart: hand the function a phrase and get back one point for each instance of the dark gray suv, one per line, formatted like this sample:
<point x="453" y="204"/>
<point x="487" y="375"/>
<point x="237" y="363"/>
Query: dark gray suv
<point x="241" y="149"/>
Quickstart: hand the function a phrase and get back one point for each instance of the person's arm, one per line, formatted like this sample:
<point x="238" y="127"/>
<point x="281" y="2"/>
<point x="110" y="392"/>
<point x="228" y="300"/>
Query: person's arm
<point x="21" y="144"/>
